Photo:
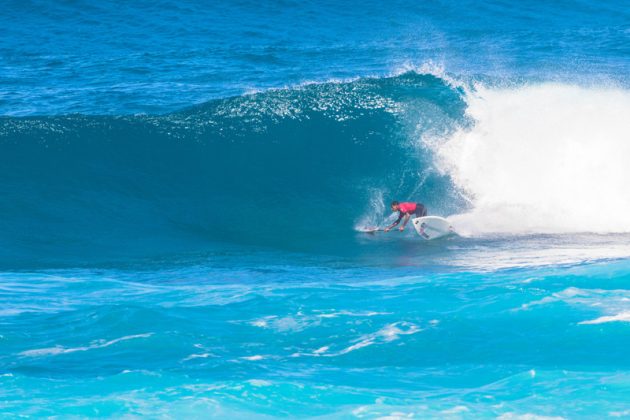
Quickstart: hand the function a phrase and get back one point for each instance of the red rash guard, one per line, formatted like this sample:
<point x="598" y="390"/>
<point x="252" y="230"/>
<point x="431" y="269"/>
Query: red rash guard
<point x="407" y="207"/>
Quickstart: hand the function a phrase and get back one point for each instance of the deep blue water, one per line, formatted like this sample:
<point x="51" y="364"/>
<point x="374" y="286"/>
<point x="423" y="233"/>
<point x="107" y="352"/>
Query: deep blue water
<point x="185" y="184"/>
<point x="115" y="57"/>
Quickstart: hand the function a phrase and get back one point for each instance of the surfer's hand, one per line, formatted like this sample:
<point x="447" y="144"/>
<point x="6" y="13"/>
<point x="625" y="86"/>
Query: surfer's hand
<point x="401" y="228"/>
<point x="386" y="229"/>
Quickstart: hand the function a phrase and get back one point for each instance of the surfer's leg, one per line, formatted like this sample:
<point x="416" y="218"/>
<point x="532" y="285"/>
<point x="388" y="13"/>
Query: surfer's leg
<point x="421" y="210"/>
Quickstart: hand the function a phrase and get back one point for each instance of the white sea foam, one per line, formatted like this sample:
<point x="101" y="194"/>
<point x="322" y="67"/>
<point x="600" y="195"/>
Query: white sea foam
<point x="335" y="314"/>
<point x="614" y="303"/>
<point x="301" y="321"/>
<point x="396" y="415"/>
<point x="253" y="358"/>
<point x="259" y="382"/>
<point x="197" y="356"/>
<point x="527" y="416"/>
<point x="387" y="334"/>
<point x="620" y="317"/>
<point x="431" y="67"/>
<point x="53" y="351"/>
<point x="546" y="158"/>
<point x="458" y="409"/>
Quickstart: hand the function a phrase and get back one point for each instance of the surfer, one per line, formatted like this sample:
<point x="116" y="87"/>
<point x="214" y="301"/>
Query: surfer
<point x="406" y="210"/>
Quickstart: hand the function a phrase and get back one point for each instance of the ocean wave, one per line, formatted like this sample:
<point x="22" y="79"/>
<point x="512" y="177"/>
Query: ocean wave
<point x="301" y="168"/>
<point x="245" y="170"/>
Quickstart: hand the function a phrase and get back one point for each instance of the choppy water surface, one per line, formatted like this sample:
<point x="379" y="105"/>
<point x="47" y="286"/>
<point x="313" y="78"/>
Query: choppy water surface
<point x="184" y="188"/>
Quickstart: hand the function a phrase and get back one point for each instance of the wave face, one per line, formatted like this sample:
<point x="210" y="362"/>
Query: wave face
<point x="292" y="168"/>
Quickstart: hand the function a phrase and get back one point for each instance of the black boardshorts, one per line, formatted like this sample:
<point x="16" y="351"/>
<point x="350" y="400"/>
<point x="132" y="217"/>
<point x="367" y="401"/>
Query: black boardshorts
<point x="421" y="210"/>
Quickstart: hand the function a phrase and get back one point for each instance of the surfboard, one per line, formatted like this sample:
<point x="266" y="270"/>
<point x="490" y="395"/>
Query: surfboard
<point x="432" y="227"/>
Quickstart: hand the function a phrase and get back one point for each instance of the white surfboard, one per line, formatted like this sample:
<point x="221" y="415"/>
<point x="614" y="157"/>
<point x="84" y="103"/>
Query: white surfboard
<point x="432" y="227"/>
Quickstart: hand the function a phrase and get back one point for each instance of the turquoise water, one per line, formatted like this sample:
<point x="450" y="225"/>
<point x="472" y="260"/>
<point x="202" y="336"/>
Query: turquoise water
<point x="237" y="336"/>
<point x="185" y="187"/>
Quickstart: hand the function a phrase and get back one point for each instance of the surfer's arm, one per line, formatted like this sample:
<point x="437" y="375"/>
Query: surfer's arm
<point x="407" y="217"/>
<point x="388" y="228"/>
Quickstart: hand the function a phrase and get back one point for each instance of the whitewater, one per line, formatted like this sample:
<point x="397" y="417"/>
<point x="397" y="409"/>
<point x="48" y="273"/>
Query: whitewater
<point x="543" y="158"/>
<point x="185" y="188"/>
